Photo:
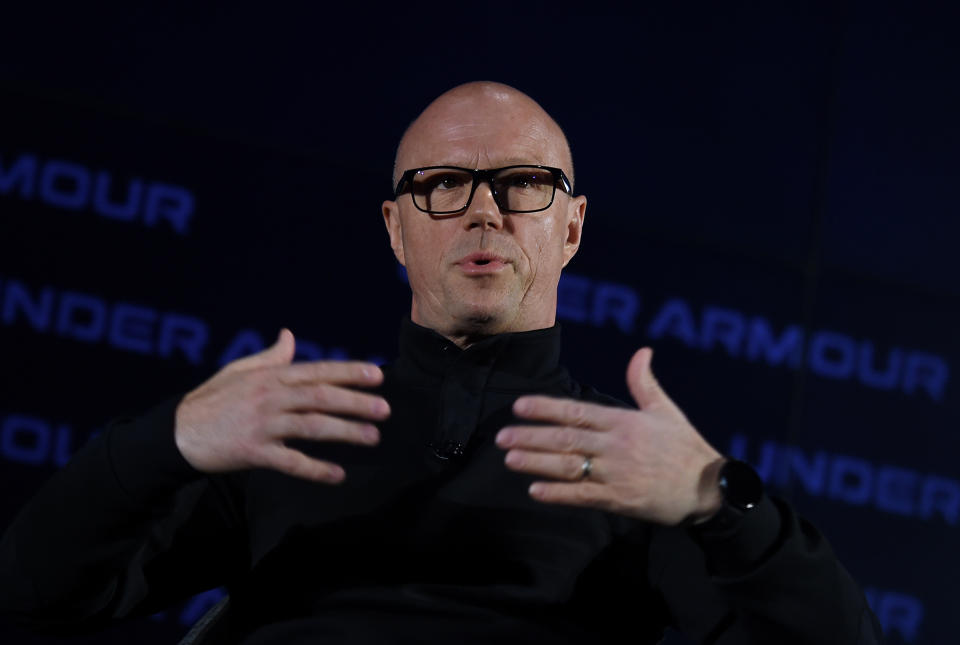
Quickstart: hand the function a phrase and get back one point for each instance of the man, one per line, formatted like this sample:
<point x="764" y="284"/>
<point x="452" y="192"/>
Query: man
<point x="470" y="491"/>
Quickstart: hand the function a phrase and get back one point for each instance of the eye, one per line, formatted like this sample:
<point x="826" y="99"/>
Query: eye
<point x="525" y="179"/>
<point x="447" y="182"/>
<point x="522" y="180"/>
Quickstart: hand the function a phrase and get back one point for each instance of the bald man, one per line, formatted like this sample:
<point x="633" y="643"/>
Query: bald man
<point x="471" y="491"/>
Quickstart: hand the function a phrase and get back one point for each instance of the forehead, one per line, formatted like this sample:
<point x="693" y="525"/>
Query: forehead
<point x="480" y="132"/>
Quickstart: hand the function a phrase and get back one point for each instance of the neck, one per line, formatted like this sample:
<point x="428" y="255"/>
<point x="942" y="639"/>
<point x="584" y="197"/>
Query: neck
<point x="464" y="333"/>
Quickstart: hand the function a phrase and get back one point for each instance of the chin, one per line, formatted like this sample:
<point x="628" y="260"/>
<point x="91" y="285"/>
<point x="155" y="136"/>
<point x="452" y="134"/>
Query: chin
<point x="489" y="319"/>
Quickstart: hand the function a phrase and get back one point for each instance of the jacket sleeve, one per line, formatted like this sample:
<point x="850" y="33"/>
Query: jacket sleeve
<point x="770" y="579"/>
<point x="125" y="528"/>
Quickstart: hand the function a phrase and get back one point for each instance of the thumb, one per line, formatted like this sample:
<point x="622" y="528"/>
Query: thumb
<point x="280" y="353"/>
<point x="643" y="384"/>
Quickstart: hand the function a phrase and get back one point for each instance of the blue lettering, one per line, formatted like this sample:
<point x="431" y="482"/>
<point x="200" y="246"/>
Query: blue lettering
<point x="832" y="355"/>
<point x="95" y="312"/>
<point x="616" y="302"/>
<point x="738" y="447"/>
<point x="896" y="612"/>
<point x="65" y="184"/>
<point x="37" y="311"/>
<point x="33" y="441"/>
<point x="885" y="380"/>
<point x="22" y="173"/>
<point x="172" y="203"/>
<point x="185" y="333"/>
<point x="940" y="495"/>
<point x="896" y="490"/>
<point x="925" y="371"/>
<point x="572" y="297"/>
<point x="769" y="464"/>
<point x="131" y="328"/>
<point x="675" y="319"/>
<point x="725" y="326"/>
<point x="63" y="449"/>
<point x="762" y="345"/>
<point x="855" y="481"/>
<point x="25" y="439"/>
<point x="812" y="474"/>
<point x="123" y="211"/>
<point x="851" y="480"/>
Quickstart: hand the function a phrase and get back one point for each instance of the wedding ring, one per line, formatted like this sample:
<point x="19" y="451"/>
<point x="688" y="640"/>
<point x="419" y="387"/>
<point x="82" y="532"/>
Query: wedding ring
<point x="586" y="467"/>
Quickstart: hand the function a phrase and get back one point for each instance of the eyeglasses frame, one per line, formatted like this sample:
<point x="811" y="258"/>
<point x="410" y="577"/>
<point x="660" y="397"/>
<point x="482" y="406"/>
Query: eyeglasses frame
<point x="481" y="176"/>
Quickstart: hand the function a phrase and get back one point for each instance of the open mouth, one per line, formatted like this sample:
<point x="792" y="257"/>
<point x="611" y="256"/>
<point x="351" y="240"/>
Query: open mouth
<point x="482" y="263"/>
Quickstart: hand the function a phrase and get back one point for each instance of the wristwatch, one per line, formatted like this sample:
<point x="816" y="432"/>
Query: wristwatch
<point x="741" y="488"/>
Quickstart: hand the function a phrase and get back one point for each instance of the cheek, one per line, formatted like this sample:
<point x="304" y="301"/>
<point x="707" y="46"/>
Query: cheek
<point x="545" y="247"/>
<point x="424" y="248"/>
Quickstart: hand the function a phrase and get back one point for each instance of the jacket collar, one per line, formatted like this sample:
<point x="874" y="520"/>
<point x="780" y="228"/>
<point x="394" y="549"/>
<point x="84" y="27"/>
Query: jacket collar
<point x="512" y="360"/>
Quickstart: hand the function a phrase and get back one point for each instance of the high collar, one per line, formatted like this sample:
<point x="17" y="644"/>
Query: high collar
<point x="513" y="360"/>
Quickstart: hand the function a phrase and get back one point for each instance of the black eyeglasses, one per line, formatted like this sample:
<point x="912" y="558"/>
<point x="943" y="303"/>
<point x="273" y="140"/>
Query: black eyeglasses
<point x="442" y="190"/>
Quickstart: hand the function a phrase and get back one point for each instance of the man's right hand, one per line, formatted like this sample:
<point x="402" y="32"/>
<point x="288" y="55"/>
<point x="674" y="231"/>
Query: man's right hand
<point x="242" y="415"/>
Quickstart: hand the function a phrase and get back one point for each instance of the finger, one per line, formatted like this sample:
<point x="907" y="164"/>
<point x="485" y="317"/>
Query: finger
<point x="566" y="412"/>
<point x="560" y="439"/>
<point x="585" y="493"/>
<point x="295" y="463"/>
<point x="546" y="464"/>
<point x="323" y="427"/>
<point x="333" y="400"/>
<point x="280" y="353"/>
<point x="644" y="388"/>
<point x="357" y="373"/>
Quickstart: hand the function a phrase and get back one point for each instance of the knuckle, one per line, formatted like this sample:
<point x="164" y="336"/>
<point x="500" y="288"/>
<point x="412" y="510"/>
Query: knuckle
<point x="575" y="467"/>
<point x="297" y="425"/>
<point x="577" y="411"/>
<point x="322" y="395"/>
<point x="569" y="440"/>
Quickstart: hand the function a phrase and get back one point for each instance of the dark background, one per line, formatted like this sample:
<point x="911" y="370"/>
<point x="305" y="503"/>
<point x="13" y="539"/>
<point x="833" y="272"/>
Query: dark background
<point x="751" y="168"/>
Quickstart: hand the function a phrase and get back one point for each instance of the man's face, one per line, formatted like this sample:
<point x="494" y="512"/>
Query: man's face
<point x="484" y="271"/>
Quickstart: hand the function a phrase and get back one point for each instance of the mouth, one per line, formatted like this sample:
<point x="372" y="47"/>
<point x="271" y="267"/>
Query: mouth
<point x="482" y="263"/>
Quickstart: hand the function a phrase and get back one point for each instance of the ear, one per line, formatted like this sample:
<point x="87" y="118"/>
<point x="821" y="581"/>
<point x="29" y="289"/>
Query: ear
<point x="575" y="214"/>
<point x="391" y="217"/>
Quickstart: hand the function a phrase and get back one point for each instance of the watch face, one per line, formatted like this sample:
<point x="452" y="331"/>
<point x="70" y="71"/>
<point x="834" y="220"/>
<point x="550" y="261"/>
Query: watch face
<point x="742" y="488"/>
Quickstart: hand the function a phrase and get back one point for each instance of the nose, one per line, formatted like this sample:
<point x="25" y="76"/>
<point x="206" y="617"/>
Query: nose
<point x="483" y="211"/>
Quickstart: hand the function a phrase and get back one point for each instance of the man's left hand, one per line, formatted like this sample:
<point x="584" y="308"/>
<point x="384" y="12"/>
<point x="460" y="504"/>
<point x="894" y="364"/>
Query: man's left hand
<point x="649" y="463"/>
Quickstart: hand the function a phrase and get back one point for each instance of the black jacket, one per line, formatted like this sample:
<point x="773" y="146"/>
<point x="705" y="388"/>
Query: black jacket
<point x="430" y="538"/>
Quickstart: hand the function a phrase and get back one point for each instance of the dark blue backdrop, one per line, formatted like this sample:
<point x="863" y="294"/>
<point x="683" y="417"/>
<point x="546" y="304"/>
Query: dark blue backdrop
<point x="773" y="202"/>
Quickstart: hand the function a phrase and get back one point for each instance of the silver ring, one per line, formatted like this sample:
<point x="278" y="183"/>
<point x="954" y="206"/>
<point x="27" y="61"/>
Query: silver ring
<point x="586" y="467"/>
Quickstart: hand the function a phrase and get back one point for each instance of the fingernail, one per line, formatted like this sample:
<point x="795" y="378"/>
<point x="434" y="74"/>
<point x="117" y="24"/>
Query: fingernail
<point x="371" y="434"/>
<point x="521" y="406"/>
<point x="381" y="407"/>
<point x="536" y="488"/>
<point x="503" y="437"/>
<point x="337" y="474"/>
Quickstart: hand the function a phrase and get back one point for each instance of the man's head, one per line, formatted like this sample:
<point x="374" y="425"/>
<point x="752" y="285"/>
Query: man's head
<point x="483" y="271"/>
